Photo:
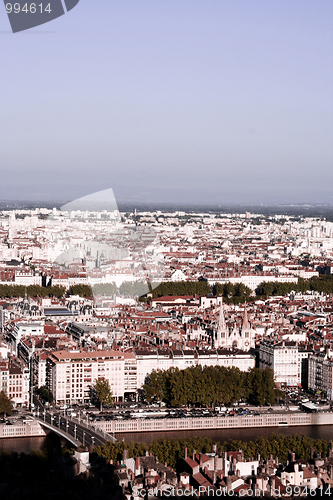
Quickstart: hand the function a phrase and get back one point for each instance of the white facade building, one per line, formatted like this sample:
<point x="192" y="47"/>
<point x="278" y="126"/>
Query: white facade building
<point x="70" y="375"/>
<point x="147" y="361"/>
<point x="283" y="358"/>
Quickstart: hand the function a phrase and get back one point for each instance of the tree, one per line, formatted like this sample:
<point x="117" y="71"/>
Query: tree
<point x="103" y="391"/>
<point x="156" y="386"/>
<point x="45" y="394"/>
<point x="81" y="290"/>
<point x="6" y="404"/>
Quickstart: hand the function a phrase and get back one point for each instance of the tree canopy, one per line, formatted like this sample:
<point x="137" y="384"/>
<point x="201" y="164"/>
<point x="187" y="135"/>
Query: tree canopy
<point x="8" y="291"/>
<point x="45" y="394"/>
<point x="211" y="385"/>
<point x="81" y="290"/>
<point x="172" y="450"/>
<point x="322" y="283"/>
<point x="6" y="405"/>
<point x="103" y="392"/>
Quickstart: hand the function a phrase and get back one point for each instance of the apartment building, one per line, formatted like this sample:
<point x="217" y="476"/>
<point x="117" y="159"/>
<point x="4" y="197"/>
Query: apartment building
<point x="17" y="329"/>
<point x="14" y="381"/>
<point x="147" y="361"/>
<point x="283" y="358"/>
<point x="71" y="374"/>
<point x="320" y="375"/>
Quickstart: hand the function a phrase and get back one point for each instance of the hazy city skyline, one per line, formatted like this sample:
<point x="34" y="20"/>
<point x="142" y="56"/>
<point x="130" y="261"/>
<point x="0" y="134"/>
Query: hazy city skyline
<point x="192" y="102"/>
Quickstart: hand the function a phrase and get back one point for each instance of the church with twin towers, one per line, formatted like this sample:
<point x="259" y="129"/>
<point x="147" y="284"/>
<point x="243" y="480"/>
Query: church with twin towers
<point x="233" y="337"/>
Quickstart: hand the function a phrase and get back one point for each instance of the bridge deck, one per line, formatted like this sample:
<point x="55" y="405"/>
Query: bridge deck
<point x="76" y="432"/>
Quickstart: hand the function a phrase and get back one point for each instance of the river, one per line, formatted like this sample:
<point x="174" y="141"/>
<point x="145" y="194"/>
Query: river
<point x="312" y="431"/>
<point x="26" y="444"/>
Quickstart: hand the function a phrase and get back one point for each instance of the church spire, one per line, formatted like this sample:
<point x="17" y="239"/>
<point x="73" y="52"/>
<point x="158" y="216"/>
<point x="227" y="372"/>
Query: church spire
<point x="245" y="323"/>
<point x="221" y="326"/>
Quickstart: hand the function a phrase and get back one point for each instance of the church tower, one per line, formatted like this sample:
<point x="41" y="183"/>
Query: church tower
<point x="240" y="337"/>
<point x="247" y="334"/>
<point x="222" y="331"/>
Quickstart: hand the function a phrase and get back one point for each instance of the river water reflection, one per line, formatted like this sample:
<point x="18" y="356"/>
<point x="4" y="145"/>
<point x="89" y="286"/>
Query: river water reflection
<point x="312" y="431"/>
<point x="26" y="444"/>
<point x="51" y="440"/>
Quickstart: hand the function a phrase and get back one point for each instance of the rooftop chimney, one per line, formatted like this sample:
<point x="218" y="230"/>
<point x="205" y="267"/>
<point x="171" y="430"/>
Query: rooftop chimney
<point x="200" y="459"/>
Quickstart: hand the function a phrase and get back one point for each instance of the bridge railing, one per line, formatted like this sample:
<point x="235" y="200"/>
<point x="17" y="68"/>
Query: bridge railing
<point x="67" y="435"/>
<point x="51" y="419"/>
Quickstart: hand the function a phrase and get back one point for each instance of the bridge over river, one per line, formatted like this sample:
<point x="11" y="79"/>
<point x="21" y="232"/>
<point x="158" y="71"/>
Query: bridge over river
<point x="76" y="431"/>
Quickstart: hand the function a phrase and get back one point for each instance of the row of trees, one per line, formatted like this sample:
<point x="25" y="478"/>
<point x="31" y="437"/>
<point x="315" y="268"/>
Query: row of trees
<point x="182" y="288"/>
<point x="211" y="385"/>
<point x="231" y="293"/>
<point x="322" y="283"/>
<point x="239" y="293"/>
<point x="173" y="450"/>
<point x="8" y="291"/>
<point x="81" y="290"/>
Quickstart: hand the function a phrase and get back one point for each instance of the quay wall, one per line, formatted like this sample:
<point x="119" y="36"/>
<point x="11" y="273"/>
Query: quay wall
<point x="31" y="429"/>
<point x="190" y="423"/>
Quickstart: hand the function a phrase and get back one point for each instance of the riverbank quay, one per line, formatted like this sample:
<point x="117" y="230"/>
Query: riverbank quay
<point x="21" y="429"/>
<point x="219" y="422"/>
<point x="266" y="420"/>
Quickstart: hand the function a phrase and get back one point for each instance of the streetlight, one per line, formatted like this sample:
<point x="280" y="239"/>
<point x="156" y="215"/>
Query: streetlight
<point x="92" y="443"/>
<point x="83" y="438"/>
<point x="59" y="420"/>
<point x="67" y="424"/>
<point x="75" y="431"/>
<point x="44" y="414"/>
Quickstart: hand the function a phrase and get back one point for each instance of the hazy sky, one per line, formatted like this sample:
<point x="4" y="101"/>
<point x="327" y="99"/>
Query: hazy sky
<point x="171" y="100"/>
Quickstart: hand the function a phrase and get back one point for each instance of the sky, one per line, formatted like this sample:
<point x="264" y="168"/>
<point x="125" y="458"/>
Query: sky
<point x="189" y="101"/>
